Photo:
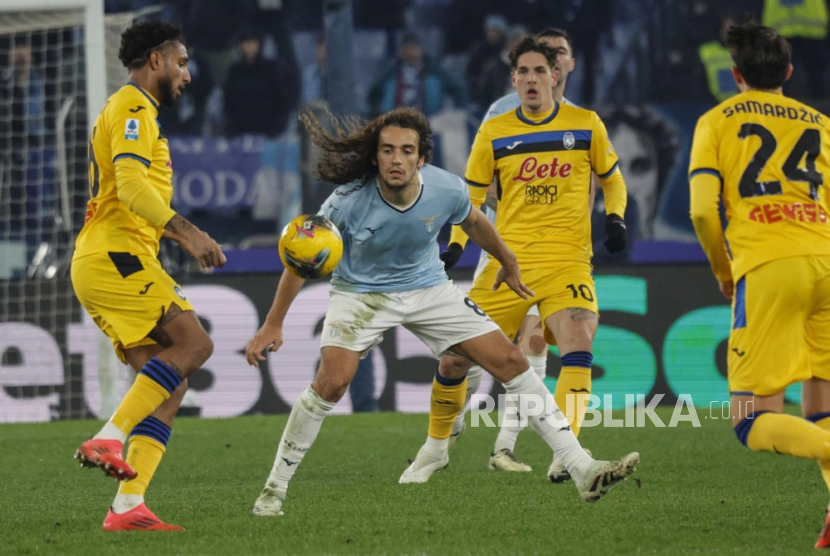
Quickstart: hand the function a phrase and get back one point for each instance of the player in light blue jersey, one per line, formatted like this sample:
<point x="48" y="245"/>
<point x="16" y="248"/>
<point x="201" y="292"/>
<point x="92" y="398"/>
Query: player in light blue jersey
<point x="389" y="212"/>
<point x="530" y="338"/>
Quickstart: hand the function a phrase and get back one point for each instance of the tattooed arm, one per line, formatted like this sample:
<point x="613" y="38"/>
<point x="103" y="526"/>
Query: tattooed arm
<point x="197" y="243"/>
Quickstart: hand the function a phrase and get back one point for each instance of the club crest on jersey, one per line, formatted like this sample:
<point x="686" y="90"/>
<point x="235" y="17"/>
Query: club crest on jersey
<point x="429" y="223"/>
<point x="131" y="129"/>
<point x="180" y="293"/>
<point x="569" y="140"/>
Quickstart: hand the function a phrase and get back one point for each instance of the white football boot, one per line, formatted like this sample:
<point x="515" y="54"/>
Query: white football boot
<point x="270" y="501"/>
<point x="603" y="475"/>
<point x="425" y="464"/>
<point x="504" y="460"/>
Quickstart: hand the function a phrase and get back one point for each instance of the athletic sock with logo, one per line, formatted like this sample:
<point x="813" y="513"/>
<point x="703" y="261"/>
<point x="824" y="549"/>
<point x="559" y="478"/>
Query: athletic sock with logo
<point x="300" y="432"/>
<point x="549" y="422"/>
<point x="573" y="387"/>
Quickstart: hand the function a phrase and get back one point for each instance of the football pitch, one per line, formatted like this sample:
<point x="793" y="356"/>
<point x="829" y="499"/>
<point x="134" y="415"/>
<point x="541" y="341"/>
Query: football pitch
<point x="696" y="491"/>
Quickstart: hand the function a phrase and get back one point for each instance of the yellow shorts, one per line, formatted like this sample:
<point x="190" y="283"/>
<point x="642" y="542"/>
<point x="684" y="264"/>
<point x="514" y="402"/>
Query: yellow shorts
<point x="780" y="326"/>
<point x="125" y="295"/>
<point x="563" y="287"/>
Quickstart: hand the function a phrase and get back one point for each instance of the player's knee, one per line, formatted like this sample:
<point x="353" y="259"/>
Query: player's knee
<point x="515" y="361"/>
<point x="537" y="344"/>
<point x="331" y="389"/>
<point x="453" y="367"/>
<point x="201" y="351"/>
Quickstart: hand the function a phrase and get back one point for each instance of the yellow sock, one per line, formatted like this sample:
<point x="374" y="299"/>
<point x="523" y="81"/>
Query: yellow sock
<point x="572" y="390"/>
<point x="445" y="404"/>
<point x="154" y="384"/>
<point x="823" y="420"/>
<point x="787" y="434"/>
<point x="144" y="455"/>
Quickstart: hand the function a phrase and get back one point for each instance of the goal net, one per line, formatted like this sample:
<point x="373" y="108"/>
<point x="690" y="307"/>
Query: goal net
<point x="52" y="83"/>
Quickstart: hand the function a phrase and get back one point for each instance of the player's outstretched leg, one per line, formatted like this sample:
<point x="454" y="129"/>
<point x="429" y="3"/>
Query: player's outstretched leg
<point x="593" y="478"/>
<point x="447" y="401"/>
<point x="300" y="433"/>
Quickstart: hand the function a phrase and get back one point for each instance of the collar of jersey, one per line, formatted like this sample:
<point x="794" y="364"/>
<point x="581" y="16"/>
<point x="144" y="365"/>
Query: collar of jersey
<point x="528" y="121"/>
<point x="145" y="93"/>
<point x="399" y="209"/>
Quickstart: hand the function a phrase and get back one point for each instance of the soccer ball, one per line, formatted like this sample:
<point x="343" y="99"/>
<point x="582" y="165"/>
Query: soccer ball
<point x="311" y="246"/>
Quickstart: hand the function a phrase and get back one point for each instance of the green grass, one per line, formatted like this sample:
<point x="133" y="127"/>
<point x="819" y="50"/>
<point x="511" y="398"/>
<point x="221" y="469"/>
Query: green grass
<point x="698" y="491"/>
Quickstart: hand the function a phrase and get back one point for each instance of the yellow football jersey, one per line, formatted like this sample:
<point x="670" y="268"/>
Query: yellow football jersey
<point x="543" y="166"/>
<point x="127" y="128"/>
<point x="770" y="154"/>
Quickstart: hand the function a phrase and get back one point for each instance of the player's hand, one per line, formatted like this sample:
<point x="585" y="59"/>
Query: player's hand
<point x="451" y="255"/>
<point x="204" y="249"/>
<point x="727" y="288"/>
<point x="269" y="336"/>
<point x="616" y="232"/>
<point x="512" y="276"/>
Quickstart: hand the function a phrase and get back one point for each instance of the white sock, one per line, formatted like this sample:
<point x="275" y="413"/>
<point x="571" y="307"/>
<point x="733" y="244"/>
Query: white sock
<point x="551" y="425"/>
<point x="473" y="382"/>
<point x="437" y="446"/>
<point x="539" y="363"/>
<point x="111" y="432"/>
<point x="512" y="424"/>
<point x="125" y="502"/>
<point x="300" y="433"/>
<point x="509" y="433"/>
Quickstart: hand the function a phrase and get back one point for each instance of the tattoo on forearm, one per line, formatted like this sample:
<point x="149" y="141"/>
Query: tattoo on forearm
<point x="579" y="315"/>
<point x="178" y="224"/>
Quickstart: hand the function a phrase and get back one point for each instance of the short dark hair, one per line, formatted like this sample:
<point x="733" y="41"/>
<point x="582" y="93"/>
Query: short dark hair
<point x="349" y="151"/>
<point x="760" y="53"/>
<point x="138" y="41"/>
<point x="530" y="44"/>
<point x="554" y="32"/>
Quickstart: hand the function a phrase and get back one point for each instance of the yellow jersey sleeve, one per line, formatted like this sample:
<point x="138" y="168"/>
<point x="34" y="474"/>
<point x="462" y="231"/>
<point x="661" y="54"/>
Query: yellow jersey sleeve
<point x="606" y="166"/>
<point x="133" y="134"/>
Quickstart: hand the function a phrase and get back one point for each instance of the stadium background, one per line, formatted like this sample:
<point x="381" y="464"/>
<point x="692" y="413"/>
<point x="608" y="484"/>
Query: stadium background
<point x="664" y="325"/>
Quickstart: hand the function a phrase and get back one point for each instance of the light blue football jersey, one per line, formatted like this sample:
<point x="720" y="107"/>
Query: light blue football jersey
<point x="387" y="249"/>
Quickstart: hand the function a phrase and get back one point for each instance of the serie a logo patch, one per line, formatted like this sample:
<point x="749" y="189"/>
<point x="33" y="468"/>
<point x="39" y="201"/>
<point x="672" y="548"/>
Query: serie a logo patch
<point x="131" y="130"/>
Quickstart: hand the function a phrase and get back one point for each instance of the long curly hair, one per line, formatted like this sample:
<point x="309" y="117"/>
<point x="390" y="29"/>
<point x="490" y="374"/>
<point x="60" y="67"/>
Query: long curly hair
<point x="142" y="38"/>
<point x="351" y="147"/>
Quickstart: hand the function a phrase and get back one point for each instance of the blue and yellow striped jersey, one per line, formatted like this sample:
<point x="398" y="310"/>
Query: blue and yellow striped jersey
<point x="543" y="166"/>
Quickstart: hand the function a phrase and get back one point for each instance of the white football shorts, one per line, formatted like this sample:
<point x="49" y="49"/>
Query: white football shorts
<point x="440" y="316"/>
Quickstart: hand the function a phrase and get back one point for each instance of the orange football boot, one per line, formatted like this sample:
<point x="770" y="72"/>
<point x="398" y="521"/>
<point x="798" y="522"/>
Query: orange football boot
<point x="139" y="518"/>
<point x="824" y="537"/>
<point x="108" y="455"/>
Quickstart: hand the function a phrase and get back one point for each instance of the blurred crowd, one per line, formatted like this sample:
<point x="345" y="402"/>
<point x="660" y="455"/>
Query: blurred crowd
<point x="255" y="63"/>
